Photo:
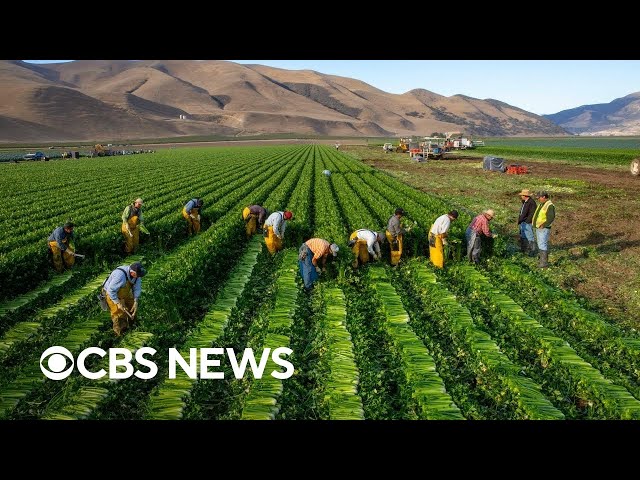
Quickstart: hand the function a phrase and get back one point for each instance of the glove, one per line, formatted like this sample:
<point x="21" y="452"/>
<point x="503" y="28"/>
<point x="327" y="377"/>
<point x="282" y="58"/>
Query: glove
<point x="129" y="230"/>
<point x="135" y="307"/>
<point x="375" y="257"/>
<point x="444" y="242"/>
<point x="120" y="306"/>
<point x="495" y="235"/>
<point x="198" y="217"/>
<point x="324" y="269"/>
<point x="318" y="270"/>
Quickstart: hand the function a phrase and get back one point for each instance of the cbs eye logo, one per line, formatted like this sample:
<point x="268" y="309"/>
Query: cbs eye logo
<point x="56" y="363"/>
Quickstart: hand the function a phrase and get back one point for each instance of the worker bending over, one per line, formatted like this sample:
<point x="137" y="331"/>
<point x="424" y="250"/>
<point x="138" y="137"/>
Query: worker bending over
<point x="122" y="291"/>
<point x="276" y="225"/>
<point x="254" y="217"/>
<point x="131" y="223"/>
<point x="191" y="213"/>
<point x="365" y="242"/>
<point x="61" y="247"/>
<point x="312" y="259"/>
<point x="395" y="234"/>
<point x="478" y="227"/>
<point x="438" y="237"/>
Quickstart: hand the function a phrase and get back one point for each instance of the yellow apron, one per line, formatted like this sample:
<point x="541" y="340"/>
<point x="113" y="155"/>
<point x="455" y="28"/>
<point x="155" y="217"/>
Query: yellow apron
<point x="273" y="242"/>
<point x="61" y="259"/>
<point x="436" y="249"/>
<point x="131" y="242"/>
<point x="121" y="320"/>
<point x="360" y="250"/>
<point x="193" y="224"/>
<point x="397" y="252"/>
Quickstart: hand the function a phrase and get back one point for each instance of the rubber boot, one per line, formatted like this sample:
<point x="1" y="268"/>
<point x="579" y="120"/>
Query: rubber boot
<point x="544" y="257"/>
<point x="532" y="248"/>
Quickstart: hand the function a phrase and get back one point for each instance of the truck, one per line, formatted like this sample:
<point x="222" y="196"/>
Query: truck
<point x="456" y="141"/>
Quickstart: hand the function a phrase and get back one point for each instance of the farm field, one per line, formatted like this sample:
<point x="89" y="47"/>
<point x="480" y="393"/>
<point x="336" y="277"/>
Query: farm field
<point x="498" y="341"/>
<point x="597" y="226"/>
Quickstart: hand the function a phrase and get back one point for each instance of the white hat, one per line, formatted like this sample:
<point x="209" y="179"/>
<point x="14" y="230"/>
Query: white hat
<point x="334" y="249"/>
<point x="138" y="200"/>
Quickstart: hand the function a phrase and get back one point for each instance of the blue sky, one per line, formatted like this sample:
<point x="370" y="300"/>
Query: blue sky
<point x="539" y="86"/>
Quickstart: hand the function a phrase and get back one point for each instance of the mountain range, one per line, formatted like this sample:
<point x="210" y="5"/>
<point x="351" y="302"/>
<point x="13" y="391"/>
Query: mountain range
<point x="128" y="99"/>
<point x="618" y="117"/>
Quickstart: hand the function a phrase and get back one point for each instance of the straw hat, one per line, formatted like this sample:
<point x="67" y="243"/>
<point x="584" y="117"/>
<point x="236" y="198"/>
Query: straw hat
<point x="490" y="213"/>
<point x="525" y="192"/>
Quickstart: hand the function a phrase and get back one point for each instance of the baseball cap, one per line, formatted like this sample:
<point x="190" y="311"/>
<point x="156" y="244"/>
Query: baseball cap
<point x="288" y="215"/>
<point x="542" y="193"/>
<point x="399" y="211"/>
<point x="69" y="225"/>
<point x="138" y="268"/>
<point x="138" y="200"/>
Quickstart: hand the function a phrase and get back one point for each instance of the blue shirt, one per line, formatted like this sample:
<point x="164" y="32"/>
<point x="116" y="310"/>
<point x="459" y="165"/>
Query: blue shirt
<point x="190" y="204"/>
<point x="118" y="279"/>
<point x="60" y="235"/>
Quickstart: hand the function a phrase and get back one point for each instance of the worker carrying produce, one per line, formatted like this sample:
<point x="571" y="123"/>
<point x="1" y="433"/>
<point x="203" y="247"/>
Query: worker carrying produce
<point x="254" y="217"/>
<point x="438" y="237"/>
<point x="365" y="242"/>
<point x="275" y="226"/>
<point x="62" y="248"/>
<point x="311" y="253"/>
<point x="121" y="290"/>
<point x="528" y="208"/>
<point x="191" y="213"/>
<point x="478" y="227"/>
<point x="131" y="225"/>
<point x="395" y="234"/>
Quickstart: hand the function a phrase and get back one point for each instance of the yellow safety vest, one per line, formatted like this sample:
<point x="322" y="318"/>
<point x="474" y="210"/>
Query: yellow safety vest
<point x="541" y="213"/>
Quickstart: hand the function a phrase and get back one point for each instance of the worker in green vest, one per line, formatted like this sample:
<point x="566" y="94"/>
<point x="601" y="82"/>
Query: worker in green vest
<point x="543" y="217"/>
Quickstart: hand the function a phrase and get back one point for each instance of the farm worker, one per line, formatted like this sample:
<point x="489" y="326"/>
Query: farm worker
<point x="543" y="217"/>
<point x="312" y="252"/>
<point x="364" y="243"/>
<point x="254" y="217"/>
<point x="61" y="247"/>
<point x="276" y="225"/>
<point x="122" y="290"/>
<point x="479" y="226"/>
<point x="395" y="234"/>
<point x="527" y="242"/>
<point x="131" y="223"/>
<point x="438" y="234"/>
<point x="191" y="212"/>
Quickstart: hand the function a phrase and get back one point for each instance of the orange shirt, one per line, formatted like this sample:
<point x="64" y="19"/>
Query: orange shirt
<point x="319" y="247"/>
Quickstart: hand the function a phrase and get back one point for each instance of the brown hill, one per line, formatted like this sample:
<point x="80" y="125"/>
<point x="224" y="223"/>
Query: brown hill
<point x="125" y="99"/>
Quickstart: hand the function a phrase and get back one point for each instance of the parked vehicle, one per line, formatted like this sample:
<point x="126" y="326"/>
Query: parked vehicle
<point x="35" y="156"/>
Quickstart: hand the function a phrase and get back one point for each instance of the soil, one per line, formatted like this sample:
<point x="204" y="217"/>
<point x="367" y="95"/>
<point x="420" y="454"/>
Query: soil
<point x="596" y="237"/>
